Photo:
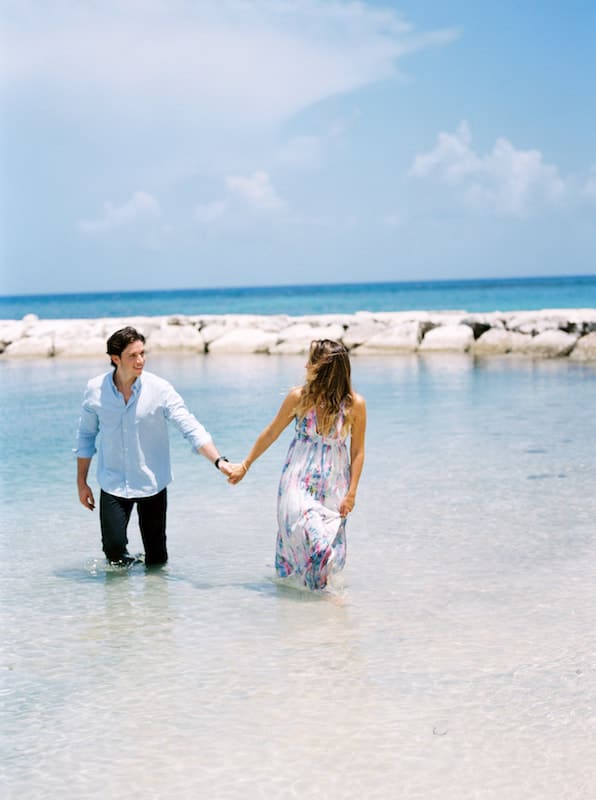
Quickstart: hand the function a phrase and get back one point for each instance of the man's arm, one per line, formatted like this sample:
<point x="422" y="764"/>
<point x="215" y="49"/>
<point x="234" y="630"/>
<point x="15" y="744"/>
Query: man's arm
<point x="85" y="449"/>
<point x="85" y="493"/>
<point x="192" y="430"/>
<point x="211" y="452"/>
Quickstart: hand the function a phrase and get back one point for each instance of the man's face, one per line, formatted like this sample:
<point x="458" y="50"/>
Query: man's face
<point x="130" y="364"/>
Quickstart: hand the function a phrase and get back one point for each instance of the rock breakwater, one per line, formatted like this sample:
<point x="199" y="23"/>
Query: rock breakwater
<point x="549" y="333"/>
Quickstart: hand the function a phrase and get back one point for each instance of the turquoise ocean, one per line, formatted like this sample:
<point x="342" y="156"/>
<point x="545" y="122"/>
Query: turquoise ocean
<point x="469" y="295"/>
<point x="454" y="658"/>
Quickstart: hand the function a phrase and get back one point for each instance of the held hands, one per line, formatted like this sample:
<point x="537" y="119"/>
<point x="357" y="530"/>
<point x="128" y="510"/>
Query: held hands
<point x="225" y="467"/>
<point x="237" y="472"/>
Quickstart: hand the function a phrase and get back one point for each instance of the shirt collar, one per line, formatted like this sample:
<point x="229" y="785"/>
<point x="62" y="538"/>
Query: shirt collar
<point x="136" y="387"/>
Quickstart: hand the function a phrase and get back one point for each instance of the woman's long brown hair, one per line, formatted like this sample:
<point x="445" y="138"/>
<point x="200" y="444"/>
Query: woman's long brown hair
<point x="328" y="385"/>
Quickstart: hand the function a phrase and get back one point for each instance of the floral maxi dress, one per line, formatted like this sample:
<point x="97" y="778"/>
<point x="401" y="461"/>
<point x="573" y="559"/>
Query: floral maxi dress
<point x="311" y="536"/>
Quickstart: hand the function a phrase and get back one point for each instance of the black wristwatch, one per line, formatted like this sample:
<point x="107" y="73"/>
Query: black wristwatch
<point x="221" y="458"/>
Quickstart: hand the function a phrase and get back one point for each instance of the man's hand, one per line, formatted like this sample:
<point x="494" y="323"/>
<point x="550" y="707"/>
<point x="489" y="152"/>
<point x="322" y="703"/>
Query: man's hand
<point x="226" y="468"/>
<point x="236" y="473"/>
<point x="86" y="496"/>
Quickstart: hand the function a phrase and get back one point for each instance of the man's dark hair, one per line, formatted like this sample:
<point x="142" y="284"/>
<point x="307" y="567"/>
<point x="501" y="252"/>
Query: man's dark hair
<point x="120" y="340"/>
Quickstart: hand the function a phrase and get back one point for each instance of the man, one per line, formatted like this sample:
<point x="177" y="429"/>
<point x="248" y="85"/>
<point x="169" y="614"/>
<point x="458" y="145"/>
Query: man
<point x="129" y="408"/>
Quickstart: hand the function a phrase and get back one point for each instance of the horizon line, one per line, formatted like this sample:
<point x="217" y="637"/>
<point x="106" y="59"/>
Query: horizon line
<point x="282" y="286"/>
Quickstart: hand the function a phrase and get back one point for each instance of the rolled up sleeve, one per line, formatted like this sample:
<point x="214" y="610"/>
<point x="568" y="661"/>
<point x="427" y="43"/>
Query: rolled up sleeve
<point x="87" y="430"/>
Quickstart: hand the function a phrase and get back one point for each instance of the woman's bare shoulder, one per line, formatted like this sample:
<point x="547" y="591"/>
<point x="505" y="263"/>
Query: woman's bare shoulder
<point x="295" y="393"/>
<point x="358" y="402"/>
<point x="292" y="399"/>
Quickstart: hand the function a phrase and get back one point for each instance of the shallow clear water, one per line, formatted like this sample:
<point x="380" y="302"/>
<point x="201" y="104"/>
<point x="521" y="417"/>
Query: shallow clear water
<point x="455" y="659"/>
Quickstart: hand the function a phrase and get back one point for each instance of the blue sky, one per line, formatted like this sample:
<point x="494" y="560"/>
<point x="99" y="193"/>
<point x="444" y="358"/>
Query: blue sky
<point x="178" y="144"/>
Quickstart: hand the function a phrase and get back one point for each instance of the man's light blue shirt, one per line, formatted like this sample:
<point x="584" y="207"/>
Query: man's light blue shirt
<point x="134" y="450"/>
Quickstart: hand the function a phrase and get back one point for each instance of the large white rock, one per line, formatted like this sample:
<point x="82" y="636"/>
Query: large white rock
<point x="77" y="346"/>
<point x="180" y="319"/>
<point x="570" y="320"/>
<point x="292" y="348"/>
<point x="144" y="325"/>
<point x="446" y="318"/>
<point x="520" y="343"/>
<point x="71" y="337"/>
<point x="302" y="331"/>
<point x="493" y="342"/>
<point x="498" y="341"/>
<point x="492" y="319"/>
<point x="176" y="337"/>
<point x="581" y="320"/>
<point x="296" y="339"/>
<point x="550" y="344"/>
<point x="397" y="338"/>
<point x="447" y="337"/>
<point x="48" y="327"/>
<point x="401" y="317"/>
<point x="213" y="331"/>
<point x="360" y="331"/>
<point x="272" y="324"/>
<point x="244" y="340"/>
<point x="30" y="346"/>
<point x="537" y="326"/>
<point x="269" y="323"/>
<point x="10" y="331"/>
<point x="585" y="349"/>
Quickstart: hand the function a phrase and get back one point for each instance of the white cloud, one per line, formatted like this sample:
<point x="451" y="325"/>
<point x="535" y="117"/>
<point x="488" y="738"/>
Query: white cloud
<point x="210" y="212"/>
<point x="256" y="190"/>
<point x="452" y="158"/>
<point x="506" y="181"/>
<point x="258" y="61"/>
<point x="141" y="206"/>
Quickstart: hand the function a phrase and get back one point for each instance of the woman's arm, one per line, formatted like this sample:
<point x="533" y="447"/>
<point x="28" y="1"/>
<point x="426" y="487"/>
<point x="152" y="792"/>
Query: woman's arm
<point x="356" y="453"/>
<point x="267" y="436"/>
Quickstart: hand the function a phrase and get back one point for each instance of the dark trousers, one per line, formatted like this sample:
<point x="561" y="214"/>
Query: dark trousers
<point x="114" y="514"/>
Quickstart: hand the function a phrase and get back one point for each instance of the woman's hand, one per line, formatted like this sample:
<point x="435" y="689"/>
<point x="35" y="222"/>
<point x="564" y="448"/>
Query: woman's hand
<point x="236" y="472"/>
<point x="346" y="505"/>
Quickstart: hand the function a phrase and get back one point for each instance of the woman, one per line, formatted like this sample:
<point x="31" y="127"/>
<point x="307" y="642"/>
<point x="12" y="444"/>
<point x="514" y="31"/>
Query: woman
<point x="318" y="483"/>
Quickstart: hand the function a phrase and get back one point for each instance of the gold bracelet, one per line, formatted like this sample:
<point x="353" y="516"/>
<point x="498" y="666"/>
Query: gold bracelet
<point x="244" y="467"/>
